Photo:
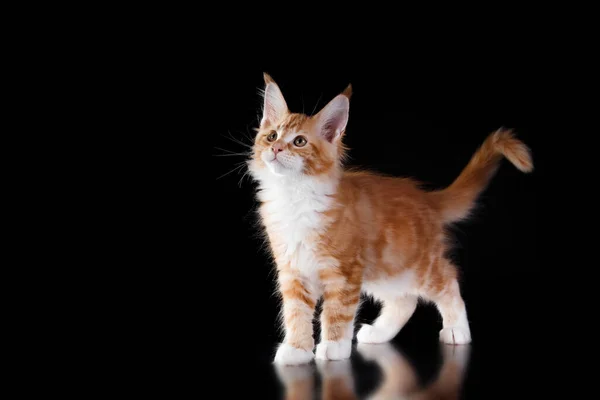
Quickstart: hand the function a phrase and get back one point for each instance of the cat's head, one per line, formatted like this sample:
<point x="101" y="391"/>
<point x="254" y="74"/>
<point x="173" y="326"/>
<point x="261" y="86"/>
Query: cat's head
<point x="297" y="145"/>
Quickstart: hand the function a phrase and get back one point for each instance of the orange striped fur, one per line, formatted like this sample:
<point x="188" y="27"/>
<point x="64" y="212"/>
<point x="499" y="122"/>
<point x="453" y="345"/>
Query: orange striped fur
<point x="336" y="233"/>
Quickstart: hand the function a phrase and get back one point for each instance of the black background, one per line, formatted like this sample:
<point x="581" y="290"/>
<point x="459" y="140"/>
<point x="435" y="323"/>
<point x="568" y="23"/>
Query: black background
<point x="421" y="114"/>
<point x="165" y="249"/>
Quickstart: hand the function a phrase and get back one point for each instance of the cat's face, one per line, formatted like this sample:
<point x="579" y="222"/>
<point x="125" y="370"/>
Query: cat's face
<point x="290" y="144"/>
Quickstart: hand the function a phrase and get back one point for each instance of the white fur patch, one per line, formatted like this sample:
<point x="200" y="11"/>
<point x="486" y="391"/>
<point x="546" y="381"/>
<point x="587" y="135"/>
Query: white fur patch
<point x="328" y="350"/>
<point x="455" y="335"/>
<point x="288" y="355"/>
<point x="284" y="164"/>
<point x="400" y="285"/>
<point x="293" y="214"/>
<point x="371" y="334"/>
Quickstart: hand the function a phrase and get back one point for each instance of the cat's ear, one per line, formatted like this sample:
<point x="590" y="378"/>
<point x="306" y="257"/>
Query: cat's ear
<point x="332" y="119"/>
<point x="274" y="106"/>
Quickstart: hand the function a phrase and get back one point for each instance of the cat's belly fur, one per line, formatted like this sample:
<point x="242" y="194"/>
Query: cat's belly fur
<point x="300" y="250"/>
<point x="296" y="226"/>
<point x="405" y="283"/>
<point x="307" y="259"/>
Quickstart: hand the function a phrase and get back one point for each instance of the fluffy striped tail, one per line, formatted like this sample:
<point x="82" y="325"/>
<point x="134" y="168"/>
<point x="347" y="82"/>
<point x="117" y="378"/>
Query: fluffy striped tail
<point x="457" y="200"/>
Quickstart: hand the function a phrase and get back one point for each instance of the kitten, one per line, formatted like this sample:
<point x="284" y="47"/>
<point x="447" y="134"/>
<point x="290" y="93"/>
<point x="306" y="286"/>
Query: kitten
<point x="336" y="233"/>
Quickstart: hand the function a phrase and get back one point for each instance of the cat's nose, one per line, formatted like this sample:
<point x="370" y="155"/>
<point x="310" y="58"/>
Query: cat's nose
<point x="277" y="147"/>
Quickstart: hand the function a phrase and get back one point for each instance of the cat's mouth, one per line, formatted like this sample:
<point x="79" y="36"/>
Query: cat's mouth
<point x="280" y="164"/>
<point x="275" y="161"/>
<point x="272" y="159"/>
<point x="275" y="165"/>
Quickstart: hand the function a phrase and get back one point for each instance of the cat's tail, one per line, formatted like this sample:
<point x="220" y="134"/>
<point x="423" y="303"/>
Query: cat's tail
<point x="457" y="200"/>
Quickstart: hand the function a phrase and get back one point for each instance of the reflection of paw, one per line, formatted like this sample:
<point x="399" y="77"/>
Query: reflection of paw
<point x="289" y="374"/>
<point x="371" y="352"/>
<point x="371" y="334"/>
<point x="340" y="350"/>
<point x="384" y="396"/>
<point x="455" y="335"/>
<point x="458" y="355"/>
<point x="400" y="378"/>
<point x="334" y="369"/>
<point x="288" y="355"/>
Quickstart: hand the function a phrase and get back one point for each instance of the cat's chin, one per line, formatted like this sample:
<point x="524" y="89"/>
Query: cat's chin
<point x="277" y="168"/>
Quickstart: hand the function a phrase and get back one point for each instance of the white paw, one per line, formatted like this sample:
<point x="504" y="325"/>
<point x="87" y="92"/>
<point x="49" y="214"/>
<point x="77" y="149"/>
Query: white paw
<point x="455" y="335"/>
<point x="288" y="355"/>
<point x="371" y="334"/>
<point x="340" y="350"/>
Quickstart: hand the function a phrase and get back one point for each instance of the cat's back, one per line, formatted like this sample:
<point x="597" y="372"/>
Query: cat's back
<point x="359" y="183"/>
<point x="366" y="196"/>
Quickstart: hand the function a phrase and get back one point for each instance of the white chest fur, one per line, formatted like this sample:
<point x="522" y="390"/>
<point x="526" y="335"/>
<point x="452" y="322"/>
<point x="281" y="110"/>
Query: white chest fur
<point x="293" y="214"/>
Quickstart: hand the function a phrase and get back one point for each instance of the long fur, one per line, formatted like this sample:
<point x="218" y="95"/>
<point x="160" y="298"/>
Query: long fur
<point x="336" y="234"/>
<point x="457" y="200"/>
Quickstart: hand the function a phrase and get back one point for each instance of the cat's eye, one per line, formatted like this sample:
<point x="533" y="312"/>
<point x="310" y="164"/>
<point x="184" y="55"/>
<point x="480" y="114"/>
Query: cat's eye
<point x="300" y="141"/>
<point x="272" y="136"/>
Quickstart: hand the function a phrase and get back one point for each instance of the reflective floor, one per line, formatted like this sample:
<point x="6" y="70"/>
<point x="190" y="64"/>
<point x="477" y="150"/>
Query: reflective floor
<point x="510" y="357"/>
<point x="398" y="378"/>
<point x="503" y="365"/>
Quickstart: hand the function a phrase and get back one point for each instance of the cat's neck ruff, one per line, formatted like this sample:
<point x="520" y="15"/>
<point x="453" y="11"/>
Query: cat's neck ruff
<point x="293" y="213"/>
<point x="296" y="188"/>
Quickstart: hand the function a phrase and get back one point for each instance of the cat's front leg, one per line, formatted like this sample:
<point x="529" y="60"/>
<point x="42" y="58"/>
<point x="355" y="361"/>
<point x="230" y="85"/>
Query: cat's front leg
<point x="340" y="303"/>
<point x="299" y="301"/>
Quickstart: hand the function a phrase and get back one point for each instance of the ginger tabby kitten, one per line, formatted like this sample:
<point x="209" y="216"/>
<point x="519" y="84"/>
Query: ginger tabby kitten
<point x="336" y="233"/>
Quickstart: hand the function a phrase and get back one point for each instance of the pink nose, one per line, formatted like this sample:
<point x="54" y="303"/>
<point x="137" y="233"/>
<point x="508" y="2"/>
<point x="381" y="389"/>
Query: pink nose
<point x="277" y="147"/>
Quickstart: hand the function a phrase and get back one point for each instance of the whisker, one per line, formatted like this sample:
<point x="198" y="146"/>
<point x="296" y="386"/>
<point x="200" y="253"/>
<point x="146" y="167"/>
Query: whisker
<point x="233" y="170"/>
<point x="231" y="153"/>
<point x="233" y="139"/>
<point x="248" y="134"/>
<point x="247" y="173"/>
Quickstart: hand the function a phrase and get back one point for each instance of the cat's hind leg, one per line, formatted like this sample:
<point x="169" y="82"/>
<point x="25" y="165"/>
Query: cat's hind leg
<point x="451" y="306"/>
<point x="395" y="313"/>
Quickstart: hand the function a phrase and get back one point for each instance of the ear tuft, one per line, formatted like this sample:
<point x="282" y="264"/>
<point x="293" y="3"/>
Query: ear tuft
<point x="274" y="105"/>
<point x="348" y="91"/>
<point x="267" y="78"/>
